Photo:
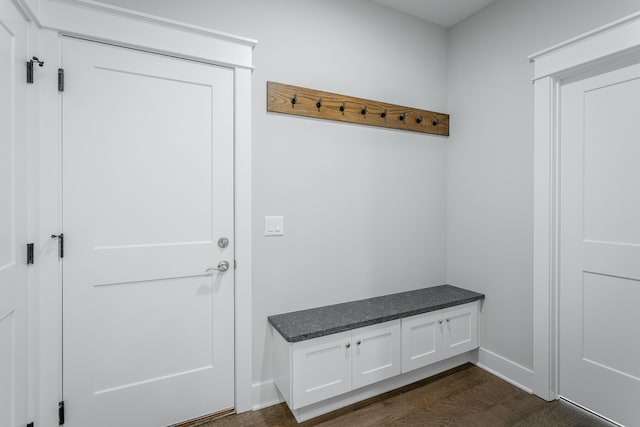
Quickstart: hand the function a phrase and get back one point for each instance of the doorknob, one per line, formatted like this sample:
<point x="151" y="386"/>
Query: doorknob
<point x="222" y="267"/>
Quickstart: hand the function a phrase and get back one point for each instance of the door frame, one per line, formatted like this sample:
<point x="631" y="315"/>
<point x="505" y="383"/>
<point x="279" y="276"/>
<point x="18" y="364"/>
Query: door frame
<point x="118" y="26"/>
<point x="612" y="46"/>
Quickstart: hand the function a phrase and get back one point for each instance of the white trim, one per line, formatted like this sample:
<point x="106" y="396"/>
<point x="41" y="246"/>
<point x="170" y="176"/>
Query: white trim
<point x="49" y="326"/>
<point x="32" y="232"/>
<point x="583" y="36"/>
<point x="25" y="10"/>
<point x="141" y="16"/>
<point x="605" y="44"/>
<point x="243" y="236"/>
<point x="130" y="29"/>
<point x="505" y="369"/>
<point x="97" y="21"/>
<point x="265" y="394"/>
<point x="609" y="47"/>
<point x="544" y="216"/>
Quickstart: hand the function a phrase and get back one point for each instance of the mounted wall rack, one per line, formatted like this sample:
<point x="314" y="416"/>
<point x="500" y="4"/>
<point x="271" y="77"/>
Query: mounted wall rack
<point x="300" y="101"/>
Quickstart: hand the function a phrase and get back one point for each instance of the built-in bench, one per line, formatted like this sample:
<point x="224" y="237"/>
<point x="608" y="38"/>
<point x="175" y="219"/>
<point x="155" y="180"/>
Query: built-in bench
<point x="332" y="356"/>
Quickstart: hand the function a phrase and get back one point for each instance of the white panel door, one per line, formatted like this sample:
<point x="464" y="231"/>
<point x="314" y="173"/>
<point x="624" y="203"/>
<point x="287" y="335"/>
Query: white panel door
<point x="376" y="353"/>
<point x="13" y="213"/>
<point x="148" y="327"/>
<point x="600" y="244"/>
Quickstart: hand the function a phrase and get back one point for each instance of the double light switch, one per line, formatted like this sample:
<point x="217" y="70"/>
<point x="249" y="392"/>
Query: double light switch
<point x="274" y="226"/>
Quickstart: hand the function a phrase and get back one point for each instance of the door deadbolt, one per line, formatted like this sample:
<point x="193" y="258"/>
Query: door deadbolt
<point x="223" y="242"/>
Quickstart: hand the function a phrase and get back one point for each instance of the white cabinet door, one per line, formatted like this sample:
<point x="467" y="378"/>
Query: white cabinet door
<point x="321" y="368"/>
<point x="421" y="340"/>
<point x="460" y="329"/>
<point x="376" y="353"/>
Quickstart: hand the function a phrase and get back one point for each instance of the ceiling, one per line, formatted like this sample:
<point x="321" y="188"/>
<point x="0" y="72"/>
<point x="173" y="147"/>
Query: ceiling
<point x="445" y="13"/>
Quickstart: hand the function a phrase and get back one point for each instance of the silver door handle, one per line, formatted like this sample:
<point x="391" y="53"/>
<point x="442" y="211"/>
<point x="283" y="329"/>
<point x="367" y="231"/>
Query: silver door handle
<point x="222" y="267"/>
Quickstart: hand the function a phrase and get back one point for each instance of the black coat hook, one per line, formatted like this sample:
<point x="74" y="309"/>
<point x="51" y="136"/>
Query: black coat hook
<point x="342" y="107"/>
<point x="435" y="122"/>
<point x="419" y="120"/>
<point x="294" y="100"/>
<point x="364" y="110"/>
<point x="383" y="114"/>
<point x="319" y="103"/>
<point x="402" y="117"/>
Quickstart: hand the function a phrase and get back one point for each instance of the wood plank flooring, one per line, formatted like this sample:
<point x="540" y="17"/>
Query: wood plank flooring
<point x="464" y="396"/>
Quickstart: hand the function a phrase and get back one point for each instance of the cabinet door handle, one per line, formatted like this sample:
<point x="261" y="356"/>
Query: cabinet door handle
<point x="348" y="345"/>
<point x="359" y="342"/>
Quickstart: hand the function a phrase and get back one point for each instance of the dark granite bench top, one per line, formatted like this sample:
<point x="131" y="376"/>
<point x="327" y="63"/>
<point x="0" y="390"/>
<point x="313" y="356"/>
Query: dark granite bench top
<point x="317" y="322"/>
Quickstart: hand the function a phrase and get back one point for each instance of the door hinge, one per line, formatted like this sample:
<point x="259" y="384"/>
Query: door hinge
<point x="29" y="253"/>
<point x="60" y="238"/>
<point x="61" y="412"/>
<point x="60" y="79"/>
<point x="30" y="424"/>
<point x="235" y="264"/>
<point x="30" y="68"/>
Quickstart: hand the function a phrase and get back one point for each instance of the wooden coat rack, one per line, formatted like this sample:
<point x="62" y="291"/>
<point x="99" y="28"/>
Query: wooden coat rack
<point x="300" y="101"/>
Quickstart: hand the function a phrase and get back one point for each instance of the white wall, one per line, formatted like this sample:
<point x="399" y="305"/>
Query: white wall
<point x="364" y="207"/>
<point x="489" y="155"/>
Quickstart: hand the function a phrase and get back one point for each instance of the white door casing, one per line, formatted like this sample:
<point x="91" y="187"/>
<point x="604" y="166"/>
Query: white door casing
<point x="600" y="244"/>
<point x="147" y="192"/>
<point x="13" y="217"/>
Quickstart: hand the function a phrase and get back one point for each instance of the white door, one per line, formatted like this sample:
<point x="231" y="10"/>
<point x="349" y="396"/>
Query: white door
<point x="13" y="212"/>
<point x="148" y="330"/>
<point x="600" y="244"/>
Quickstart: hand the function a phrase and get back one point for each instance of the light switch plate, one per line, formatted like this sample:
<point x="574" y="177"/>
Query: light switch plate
<point x="274" y="226"/>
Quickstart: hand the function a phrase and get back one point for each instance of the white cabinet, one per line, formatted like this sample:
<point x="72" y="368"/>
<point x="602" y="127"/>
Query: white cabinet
<point x="325" y="367"/>
<point x="319" y="369"/>
<point x="431" y="337"/>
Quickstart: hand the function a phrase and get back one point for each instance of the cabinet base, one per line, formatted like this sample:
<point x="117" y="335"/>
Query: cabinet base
<point x="320" y="408"/>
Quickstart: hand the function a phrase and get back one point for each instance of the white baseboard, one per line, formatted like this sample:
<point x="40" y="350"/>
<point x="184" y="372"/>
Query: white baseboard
<point x="505" y="369"/>
<point x="265" y="394"/>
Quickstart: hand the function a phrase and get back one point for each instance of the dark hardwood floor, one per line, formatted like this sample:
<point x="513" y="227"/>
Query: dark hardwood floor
<point x="465" y="396"/>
